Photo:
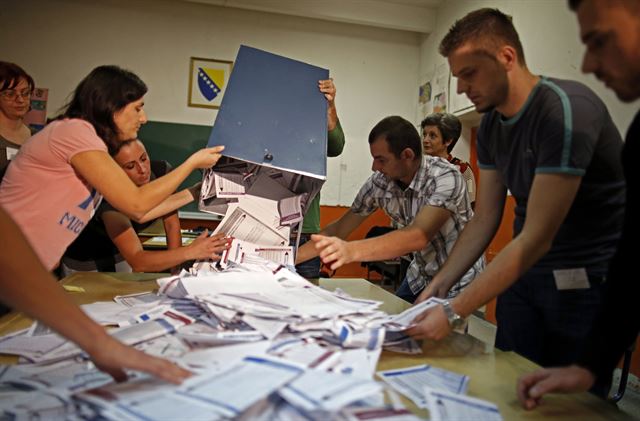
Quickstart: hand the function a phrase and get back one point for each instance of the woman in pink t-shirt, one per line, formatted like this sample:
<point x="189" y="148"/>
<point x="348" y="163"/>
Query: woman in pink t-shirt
<point x="51" y="190"/>
<point x="56" y="181"/>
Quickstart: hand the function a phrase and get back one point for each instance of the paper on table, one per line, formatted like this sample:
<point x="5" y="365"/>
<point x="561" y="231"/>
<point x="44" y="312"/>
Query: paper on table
<point x="308" y="353"/>
<point x="379" y="414"/>
<point x="241" y="385"/>
<point x="31" y="347"/>
<point x="222" y="357"/>
<point x="444" y="406"/>
<point x="269" y="328"/>
<point x="358" y="362"/>
<point x="405" y="319"/>
<point x="410" y="381"/>
<point x="140" y="298"/>
<point x="327" y="391"/>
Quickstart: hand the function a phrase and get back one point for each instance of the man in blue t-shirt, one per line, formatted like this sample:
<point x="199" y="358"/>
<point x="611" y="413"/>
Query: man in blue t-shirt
<point x="552" y="144"/>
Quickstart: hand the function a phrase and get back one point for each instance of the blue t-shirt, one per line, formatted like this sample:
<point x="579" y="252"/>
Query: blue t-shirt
<point x="563" y="128"/>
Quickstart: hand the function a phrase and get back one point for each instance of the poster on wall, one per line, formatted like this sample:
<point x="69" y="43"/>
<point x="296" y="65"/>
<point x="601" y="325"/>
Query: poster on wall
<point x="207" y="81"/>
<point x="433" y="92"/>
<point x="424" y="100"/>
<point x="440" y="88"/>
<point x="36" y="118"/>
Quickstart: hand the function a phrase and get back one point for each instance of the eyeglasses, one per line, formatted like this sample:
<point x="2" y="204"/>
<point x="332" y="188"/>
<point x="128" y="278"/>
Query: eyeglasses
<point x="11" y="94"/>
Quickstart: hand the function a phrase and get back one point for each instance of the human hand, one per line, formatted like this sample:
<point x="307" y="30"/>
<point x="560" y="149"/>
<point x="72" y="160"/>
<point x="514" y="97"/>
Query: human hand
<point x="329" y="90"/>
<point x="206" y="157"/>
<point x="432" y="324"/>
<point x="531" y="387"/>
<point x="113" y="357"/>
<point x="436" y="288"/>
<point x="333" y="251"/>
<point x="208" y="247"/>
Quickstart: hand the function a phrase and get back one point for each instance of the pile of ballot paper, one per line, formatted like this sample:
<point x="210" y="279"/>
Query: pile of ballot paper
<point x="262" y="342"/>
<point x="260" y="206"/>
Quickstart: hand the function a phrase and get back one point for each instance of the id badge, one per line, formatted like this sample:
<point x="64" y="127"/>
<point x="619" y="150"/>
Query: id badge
<point x="567" y="279"/>
<point x="11" y="153"/>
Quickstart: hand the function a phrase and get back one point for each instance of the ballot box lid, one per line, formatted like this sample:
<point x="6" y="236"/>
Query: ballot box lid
<point x="273" y="113"/>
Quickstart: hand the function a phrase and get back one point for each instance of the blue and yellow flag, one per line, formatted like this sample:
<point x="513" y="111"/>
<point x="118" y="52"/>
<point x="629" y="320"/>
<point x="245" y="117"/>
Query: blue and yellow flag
<point x="210" y="82"/>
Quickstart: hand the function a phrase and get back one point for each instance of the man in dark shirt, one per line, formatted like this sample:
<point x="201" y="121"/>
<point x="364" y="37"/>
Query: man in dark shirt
<point x="552" y="144"/>
<point x="610" y="29"/>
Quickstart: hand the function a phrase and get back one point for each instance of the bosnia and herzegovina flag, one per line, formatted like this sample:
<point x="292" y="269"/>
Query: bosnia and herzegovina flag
<point x="210" y="82"/>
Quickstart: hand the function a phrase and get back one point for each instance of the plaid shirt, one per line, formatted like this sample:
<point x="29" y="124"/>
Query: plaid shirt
<point x="436" y="183"/>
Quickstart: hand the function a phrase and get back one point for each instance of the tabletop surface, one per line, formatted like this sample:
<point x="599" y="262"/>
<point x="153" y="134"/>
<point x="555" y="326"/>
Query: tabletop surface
<point x="493" y="375"/>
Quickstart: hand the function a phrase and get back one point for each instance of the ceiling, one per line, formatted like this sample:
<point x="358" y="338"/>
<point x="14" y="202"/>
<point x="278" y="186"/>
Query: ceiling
<point x="405" y="15"/>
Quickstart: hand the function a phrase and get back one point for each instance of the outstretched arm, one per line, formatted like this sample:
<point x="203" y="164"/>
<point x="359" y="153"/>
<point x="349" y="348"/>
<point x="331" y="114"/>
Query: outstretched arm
<point x="396" y="243"/>
<point x="550" y="199"/>
<point x="123" y="235"/>
<point x="103" y="173"/>
<point x="340" y="228"/>
<point x="27" y="286"/>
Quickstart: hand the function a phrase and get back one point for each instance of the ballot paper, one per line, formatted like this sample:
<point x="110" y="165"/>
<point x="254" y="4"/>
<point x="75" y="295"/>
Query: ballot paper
<point x="255" y="334"/>
<point x="405" y="319"/>
<point x="378" y="414"/>
<point x="220" y="358"/>
<point x="45" y="404"/>
<point x="229" y="184"/>
<point x="322" y="390"/>
<point x="239" y="387"/>
<point x="140" y="298"/>
<point x="239" y="251"/>
<point x="358" y="362"/>
<point x="307" y="352"/>
<point x="200" y="334"/>
<point x="444" y="406"/>
<point x="241" y="224"/>
<point x="31" y="347"/>
<point x="410" y="381"/>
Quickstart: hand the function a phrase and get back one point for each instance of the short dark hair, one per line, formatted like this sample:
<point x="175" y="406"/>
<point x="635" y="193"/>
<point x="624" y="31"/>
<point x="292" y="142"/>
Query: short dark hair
<point x="10" y="75"/>
<point x="104" y="91"/>
<point x="448" y="124"/>
<point x="399" y="133"/>
<point x="488" y="24"/>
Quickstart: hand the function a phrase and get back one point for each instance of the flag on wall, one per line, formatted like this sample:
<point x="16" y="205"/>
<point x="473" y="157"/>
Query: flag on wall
<point x="210" y="82"/>
<point x="208" y="79"/>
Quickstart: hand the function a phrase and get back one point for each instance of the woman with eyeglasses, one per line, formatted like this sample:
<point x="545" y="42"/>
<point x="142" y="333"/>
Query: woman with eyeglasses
<point x="15" y="94"/>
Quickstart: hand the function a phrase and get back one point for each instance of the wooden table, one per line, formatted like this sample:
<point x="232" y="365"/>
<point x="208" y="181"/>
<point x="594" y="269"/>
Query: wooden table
<point x="492" y="375"/>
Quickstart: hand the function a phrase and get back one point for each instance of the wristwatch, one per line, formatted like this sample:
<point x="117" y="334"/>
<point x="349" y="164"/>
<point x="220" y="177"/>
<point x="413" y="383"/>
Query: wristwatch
<point x="455" y="320"/>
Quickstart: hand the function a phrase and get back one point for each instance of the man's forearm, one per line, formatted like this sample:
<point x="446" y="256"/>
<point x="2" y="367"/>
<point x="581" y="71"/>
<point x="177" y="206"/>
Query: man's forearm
<point x="389" y="246"/>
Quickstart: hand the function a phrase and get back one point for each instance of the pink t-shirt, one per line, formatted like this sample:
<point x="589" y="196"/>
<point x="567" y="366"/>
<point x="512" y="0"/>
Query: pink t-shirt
<point x="44" y="195"/>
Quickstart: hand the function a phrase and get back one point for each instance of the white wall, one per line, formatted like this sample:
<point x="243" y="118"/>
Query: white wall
<point x="549" y="33"/>
<point x="59" y="41"/>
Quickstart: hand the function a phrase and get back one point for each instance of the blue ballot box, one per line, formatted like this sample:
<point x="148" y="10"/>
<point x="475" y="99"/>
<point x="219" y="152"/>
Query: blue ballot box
<point x="273" y="114"/>
<point x="273" y="121"/>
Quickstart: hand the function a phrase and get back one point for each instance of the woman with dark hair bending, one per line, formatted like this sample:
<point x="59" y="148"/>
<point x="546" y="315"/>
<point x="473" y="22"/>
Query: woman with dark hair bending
<point x="57" y="181"/>
<point x="53" y="186"/>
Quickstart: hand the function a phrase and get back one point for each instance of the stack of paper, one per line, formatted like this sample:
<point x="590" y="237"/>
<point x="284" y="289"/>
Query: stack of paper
<point x="258" y="338"/>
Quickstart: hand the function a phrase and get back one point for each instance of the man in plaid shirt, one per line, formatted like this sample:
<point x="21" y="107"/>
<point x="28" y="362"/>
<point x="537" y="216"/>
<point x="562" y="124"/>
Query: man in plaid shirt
<point x="423" y="195"/>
